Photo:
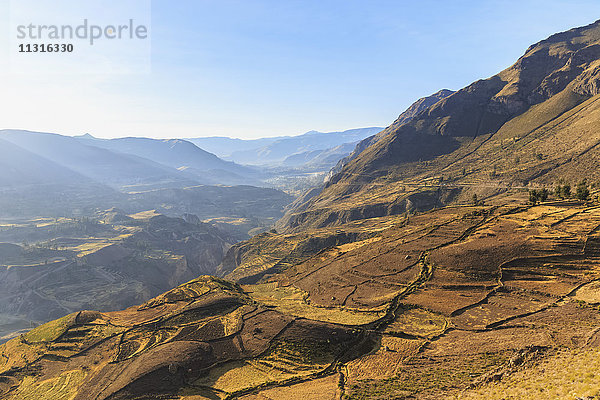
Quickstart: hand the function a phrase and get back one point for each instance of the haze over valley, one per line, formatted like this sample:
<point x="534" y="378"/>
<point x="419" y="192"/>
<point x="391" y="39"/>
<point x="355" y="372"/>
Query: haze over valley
<point x="106" y="224"/>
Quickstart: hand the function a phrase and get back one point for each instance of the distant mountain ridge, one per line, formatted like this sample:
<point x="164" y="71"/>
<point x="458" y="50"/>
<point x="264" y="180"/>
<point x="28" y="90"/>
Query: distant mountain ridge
<point x="225" y="146"/>
<point x="54" y="175"/>
<point x="181" y="155"/>
<point x="320" y="158"/>
<point x="97" y="164"/>
<point x="19" y="166"/>
<point x="277" y="150"/>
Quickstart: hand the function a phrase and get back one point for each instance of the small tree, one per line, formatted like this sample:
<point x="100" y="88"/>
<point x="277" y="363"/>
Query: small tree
<point x="583" y="193"/>
<point x="474" y="199"/>
<point x="562" y="192"/>
<point x="533" y="196"/>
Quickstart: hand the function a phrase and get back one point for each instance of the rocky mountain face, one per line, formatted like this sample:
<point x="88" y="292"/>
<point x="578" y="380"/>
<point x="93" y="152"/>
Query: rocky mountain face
<point x="565" y="64"/>
<point x="421" y="105"/>
<point x="425" y="269"/>
<point x="411" y="112"/>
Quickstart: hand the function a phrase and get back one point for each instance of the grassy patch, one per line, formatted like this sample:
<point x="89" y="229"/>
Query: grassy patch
<point x="292" y="301"/>
<point x="50" y="331"/>
<point x="431" y="378"/>
<point x="418" y="322"/>
<point x="63" y="387"/>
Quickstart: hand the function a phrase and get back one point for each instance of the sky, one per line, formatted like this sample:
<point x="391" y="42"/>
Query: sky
<point x="259" y="68"/>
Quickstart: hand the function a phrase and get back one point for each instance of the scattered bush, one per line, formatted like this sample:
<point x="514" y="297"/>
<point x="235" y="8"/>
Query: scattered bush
<point x="536" y="196"/>
<point x="563" y="192"/>
<point x="475" y="200"/>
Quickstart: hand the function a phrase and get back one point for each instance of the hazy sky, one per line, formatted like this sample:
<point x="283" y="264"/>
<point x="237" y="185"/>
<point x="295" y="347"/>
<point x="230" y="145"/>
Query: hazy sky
<point x="255" y="68"/>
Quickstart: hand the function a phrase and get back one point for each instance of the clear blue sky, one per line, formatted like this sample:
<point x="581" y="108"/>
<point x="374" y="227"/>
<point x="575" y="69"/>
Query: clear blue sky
<point x="255" y="68"/>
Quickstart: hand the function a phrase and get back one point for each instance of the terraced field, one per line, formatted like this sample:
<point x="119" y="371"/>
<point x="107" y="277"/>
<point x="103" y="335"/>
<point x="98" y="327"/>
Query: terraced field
<point x="465" y="290"/>
<point x="445" y="303"/>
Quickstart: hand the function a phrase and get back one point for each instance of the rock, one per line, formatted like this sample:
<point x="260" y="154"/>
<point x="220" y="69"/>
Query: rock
<point x="172" y="368"/>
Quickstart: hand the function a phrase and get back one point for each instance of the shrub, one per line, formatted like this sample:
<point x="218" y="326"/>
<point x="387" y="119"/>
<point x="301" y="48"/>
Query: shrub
<point x="475" y="200"/>
<point x="562" y="192"/>
<point x="536" y="196"/>
<point x="583" y="193"/>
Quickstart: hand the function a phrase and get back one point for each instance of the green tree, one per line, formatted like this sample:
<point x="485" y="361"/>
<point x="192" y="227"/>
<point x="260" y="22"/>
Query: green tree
<point x="562" y="192"/>
<point x="583" y="193"/>
<point x="535" y="196"/>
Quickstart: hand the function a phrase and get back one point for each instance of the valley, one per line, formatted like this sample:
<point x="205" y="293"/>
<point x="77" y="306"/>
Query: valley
<point x="107" y="263"/>
<point x="89" y="223"/>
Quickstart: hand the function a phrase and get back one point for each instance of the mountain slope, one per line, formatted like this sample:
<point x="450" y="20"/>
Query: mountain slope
<point x="320" y="158"/>
<point x="453" y="300"/>
<point x="566" y="61"/>
<point x="421" y="105"/>
<point x="107" y="263"/>
<point x="411" y="112"/>
<point x="533" y="123"/>
<point x="21" y="167"/>
<point x="210" y="328"/>
<point x="33" y="185"/>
